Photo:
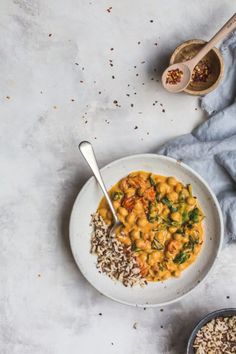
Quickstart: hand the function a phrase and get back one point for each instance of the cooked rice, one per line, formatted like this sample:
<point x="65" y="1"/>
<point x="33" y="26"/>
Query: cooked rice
<point x="113" y="258"/>
<point x="217" y="337"/>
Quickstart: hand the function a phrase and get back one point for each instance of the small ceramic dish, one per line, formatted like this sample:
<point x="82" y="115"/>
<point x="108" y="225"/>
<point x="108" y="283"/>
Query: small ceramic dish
<point x="214" y="58"/>
<point x="219" y="313"/>
<point x="158" y="293"/>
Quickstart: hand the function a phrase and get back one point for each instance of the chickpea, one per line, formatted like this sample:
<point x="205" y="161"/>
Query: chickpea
<point x="191" y="201"/>
<point x="138" y="206"/>
<point x="178" y="237"/>
<point x="173" y="196"/>
<point x="125" y="240"/>
<point x="172" y="229"/>
<point x="178" y="187"/>
<point x="140" y="244"/>
<point x="162" y="187"/>
<point x="142" y="257"/>
<point x="171" y="181"/>
<point x="173" y="246"/>
<point x="177" y="273"/>
<point x="185" y="192"/>
<point x="142" y="222"/>
<point x="165" y="211"/>
<point x="116" y="204"/>
<point x="135" y="234"/>
<point x="130" y="218"/>
<point x="130" y="192"/>
<point x="176" y="216"/>
<point x="161" y="235"/>
<point x="122" y="211"/>
<point x="103" y="213"/>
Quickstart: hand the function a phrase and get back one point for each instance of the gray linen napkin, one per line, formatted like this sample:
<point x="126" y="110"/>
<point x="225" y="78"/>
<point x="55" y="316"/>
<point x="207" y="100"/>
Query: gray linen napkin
<point x="211" y="148"/>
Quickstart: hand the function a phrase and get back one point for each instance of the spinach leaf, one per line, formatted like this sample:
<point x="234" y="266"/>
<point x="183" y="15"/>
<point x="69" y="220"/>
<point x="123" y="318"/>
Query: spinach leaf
<point x="152" y="181"/>
<point x="117" y="195"/>
<point x="181" y="258"/>
<point x="157" y="245"/>
<point x="166" y="201"/>
<point x="194" y="215"/>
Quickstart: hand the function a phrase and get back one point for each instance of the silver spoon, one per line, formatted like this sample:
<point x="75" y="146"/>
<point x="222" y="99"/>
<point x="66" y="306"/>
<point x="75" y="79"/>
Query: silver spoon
<point x="86" y="150"/>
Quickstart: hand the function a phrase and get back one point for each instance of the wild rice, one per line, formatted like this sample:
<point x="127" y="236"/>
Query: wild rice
<point x="113" y="258"/>
<point x="217" y="337"/>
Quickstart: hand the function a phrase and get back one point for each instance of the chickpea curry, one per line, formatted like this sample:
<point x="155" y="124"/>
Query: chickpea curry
<point x="161" y="222"/>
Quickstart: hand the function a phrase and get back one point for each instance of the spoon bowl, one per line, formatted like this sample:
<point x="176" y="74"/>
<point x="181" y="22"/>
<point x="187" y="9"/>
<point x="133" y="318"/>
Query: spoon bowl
<point x="184" y="79"/>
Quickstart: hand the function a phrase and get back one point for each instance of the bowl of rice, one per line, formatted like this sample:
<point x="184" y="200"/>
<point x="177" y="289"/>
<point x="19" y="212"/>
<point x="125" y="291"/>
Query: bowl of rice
<point x="214" y="334"/>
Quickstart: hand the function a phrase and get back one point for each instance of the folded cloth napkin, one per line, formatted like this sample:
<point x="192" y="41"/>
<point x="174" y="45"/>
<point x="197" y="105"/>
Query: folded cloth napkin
<point x="211" y="148"/>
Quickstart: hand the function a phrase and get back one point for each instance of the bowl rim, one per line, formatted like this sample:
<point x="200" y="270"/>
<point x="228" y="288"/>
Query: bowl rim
<point x="218" y="54"/>
<point x="109" y="165"/>
<point x="225" y="312"/>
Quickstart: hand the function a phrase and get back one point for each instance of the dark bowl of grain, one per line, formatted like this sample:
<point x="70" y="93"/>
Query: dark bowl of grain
<point x="209" y="71"/>
<point x="215" y="333"/>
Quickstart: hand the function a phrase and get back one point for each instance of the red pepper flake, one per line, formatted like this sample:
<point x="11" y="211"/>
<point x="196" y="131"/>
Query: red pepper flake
<point x="112" y="49"/>
<point x="113" y="77"/>
<point x="50" y="35"/>
<point x="8" y="97"/>
<point x="174" y="76"/>
<point x="109" y="9"/>
<point x="201" y="71"/>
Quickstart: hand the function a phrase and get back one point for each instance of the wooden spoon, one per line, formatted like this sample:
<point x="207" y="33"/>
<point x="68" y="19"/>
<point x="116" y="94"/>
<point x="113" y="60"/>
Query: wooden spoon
<point x="184" y="70"/>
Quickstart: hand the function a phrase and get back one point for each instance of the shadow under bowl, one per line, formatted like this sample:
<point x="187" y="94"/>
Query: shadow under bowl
<point x="188" y="50"/>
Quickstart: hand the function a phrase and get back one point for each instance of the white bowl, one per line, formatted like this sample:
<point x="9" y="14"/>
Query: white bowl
<point x="159" y="293"/>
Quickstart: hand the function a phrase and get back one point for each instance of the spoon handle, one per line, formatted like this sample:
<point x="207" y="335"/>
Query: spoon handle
<point x="86" y="150"/>
<point x="226" y="29"/>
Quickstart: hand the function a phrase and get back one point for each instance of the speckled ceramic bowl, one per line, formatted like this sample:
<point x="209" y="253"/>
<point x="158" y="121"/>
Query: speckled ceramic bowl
<point x="219" y="313"/>
<point x="188" y="50"/>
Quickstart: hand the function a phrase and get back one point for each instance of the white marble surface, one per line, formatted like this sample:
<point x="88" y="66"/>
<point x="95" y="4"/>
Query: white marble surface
<point x="46" y="307"/>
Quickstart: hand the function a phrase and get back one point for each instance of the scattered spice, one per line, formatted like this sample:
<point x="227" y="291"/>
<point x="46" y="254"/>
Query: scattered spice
<point x="135" y="325"/>
<point x="155" y="43"/>
<point x="76" y="63"/>
<point x="135" y="66"/>
<point x="99" y="92"/>
<point x="136" y="127"/>
<point x="113" y="77"/>
<point x="39" y="275"/>
<point x="109" y="9"/>
<point x="139" y="42"/>
<point x="161" y="326"/>
<point x="174" y="76"/>
<point x="132" y="105"/>
<point x="163" y="110"/>
<point x="143" y="62"/>
<point x="72" y="100"/>
<point x="161" y="310"/>
<point x="228" y="297"/>
<point x="115" y="101"/>
<point x="8" y="97"/>
<point x="41" y="92"/>
<point x="55" y="107"/>
<point x="100" y="314"/>
<point x="151" y="21"/>
<point x="128" y="94"/>
<point x="145" y="308"/>
<point x="195" y="109"/>
<point x="50" y="35"/>
<point x="136" y="74"/>
<point x="81" y="81"/>
<point x="112" y="49"/>
<point x="201" y="71"/>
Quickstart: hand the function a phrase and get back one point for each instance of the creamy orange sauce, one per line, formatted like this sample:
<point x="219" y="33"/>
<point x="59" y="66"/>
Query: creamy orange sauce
<point x="162" y="222"/>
